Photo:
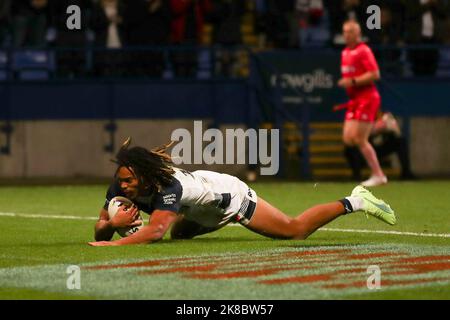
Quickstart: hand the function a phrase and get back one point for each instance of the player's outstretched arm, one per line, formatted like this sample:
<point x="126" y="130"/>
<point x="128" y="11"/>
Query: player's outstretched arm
<point x="160" y="222"/>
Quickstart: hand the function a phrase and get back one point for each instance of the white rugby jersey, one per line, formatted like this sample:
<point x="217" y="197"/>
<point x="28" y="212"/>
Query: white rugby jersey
<point x="202" y="196"/>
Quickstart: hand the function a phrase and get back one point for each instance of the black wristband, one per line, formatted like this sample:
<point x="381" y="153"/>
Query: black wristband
<point x="353" y="81"/>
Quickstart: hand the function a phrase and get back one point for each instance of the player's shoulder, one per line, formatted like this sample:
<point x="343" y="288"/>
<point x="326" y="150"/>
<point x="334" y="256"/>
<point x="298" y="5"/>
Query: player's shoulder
<point x="173" y="187"/>
<point x="363" y="48"/>
<point x="169" y="196"/>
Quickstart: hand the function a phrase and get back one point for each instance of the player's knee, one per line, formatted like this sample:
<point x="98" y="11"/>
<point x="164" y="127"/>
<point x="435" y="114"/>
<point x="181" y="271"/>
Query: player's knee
<point x="363" y="145"/>
<point x="297" y="231"/>
<point x="348" y="140"/>
<point x="360" y="141"/>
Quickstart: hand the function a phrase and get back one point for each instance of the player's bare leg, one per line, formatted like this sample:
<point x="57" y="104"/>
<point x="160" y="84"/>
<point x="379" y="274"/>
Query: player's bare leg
<point x="357" y="133"/>
<point x="272" y="222"/>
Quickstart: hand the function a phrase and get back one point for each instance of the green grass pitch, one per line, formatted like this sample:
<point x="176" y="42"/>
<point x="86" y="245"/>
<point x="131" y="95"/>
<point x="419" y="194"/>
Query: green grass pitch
<point x="46" y="229"/>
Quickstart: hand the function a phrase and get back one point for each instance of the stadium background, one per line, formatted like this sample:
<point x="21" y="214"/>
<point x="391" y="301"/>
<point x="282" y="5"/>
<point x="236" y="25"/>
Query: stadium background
<point x="70" y="97"/>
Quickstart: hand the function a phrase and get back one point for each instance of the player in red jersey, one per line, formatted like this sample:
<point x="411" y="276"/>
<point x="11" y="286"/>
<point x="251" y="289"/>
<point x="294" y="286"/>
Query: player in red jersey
<point x="359" y="72"/>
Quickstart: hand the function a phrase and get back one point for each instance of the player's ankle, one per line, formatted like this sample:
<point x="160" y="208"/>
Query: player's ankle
<point x="351" y="204"/>
<point x="356" y="202"/>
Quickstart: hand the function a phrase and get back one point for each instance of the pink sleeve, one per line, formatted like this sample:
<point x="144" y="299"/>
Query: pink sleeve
<point x="368" y="60"/>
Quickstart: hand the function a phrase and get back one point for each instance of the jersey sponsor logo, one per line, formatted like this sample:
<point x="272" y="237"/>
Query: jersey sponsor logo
<point x="169" y="199"/>
<point x="348" y="69"/>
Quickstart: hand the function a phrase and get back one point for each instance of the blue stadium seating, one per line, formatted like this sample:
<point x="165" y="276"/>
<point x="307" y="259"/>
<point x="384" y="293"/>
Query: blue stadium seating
<point x="33" y="64"/>
<point x="204" y="64"/>
<point x="4" y="72"/>
<point x="444" y="63"/>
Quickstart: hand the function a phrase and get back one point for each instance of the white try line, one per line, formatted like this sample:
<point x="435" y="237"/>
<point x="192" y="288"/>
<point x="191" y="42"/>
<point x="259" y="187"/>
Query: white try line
<point x="400" y="233"/>
<point x="44" y="216"/>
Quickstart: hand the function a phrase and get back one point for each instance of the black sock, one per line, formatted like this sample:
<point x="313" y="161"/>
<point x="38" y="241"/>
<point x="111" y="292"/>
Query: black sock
<point x="347" y="205"/>
<point x="354" y="159"/>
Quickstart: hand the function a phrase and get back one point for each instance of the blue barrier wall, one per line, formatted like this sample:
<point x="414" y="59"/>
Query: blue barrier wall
<point x="223" y="101"/>
<point x="417" y="97"/>
<point x="311" y="77"/>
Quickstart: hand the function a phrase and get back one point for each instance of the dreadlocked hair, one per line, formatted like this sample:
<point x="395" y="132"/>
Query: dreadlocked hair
<point x="152" y="168"/>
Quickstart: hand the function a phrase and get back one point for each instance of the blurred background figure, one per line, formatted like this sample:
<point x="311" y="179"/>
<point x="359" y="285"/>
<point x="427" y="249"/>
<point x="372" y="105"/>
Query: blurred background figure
<point x="281" y="26"/>
<point x="390" y="36"/>
<point x="29" y="22"/>
<point x="226" y="17"/>
<point x="312" y="27"/>
<point x="386" y="139"/>
<point x="425" y="23"/>
<point x="146" y="23"/>
<point x="340" y="11"/>
<point x="107" y="23"/>
<point x="71" y="58"/>
<point x="5" y="21"/>
<point x="360" y="70"/>
<point x="188" y="17"/>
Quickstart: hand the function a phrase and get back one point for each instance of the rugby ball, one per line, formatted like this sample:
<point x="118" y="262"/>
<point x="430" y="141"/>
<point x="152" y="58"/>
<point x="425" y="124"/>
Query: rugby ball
<point x="114" y="206"/>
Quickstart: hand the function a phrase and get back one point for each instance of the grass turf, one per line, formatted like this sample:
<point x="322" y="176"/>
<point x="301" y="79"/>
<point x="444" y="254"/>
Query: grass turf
<point x="26" y="242"/>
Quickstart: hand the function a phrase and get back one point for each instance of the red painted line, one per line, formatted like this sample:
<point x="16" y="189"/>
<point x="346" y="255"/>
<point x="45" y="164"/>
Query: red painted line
<point x="307" y="256"/>
<point x="313" y="278"/>
<point x="372" y="255"/>
<point x="238" y="274"/>
<point x="353" y="270"/>
<point x="148" y="263"/>
<point x="385" y="263"/>
<point x="413" y="281"/>
<point x="346" y="262"/>
<point x="180" y="269"/>
<point x="294" y="265"/>
<point x="298" y="279"/>
<point x="421" y="268"/>
<point x="201" y="260"/>
<point x="424" y="259"/>
<point x="356" y="284"/>
<point x="312" y="262"/>
<point x="363" y="284"/>
<point x="316" y="252"/>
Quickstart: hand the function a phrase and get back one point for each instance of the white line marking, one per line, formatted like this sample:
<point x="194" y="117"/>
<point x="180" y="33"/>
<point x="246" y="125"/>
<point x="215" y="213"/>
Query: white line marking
<point x="44" y="216"/>
<point x="417" y="234"/>
<point x="400" y="233"/>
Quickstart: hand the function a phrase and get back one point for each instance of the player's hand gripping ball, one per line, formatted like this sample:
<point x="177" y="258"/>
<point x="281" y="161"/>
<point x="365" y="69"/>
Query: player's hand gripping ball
<point x="113" y="208"/>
